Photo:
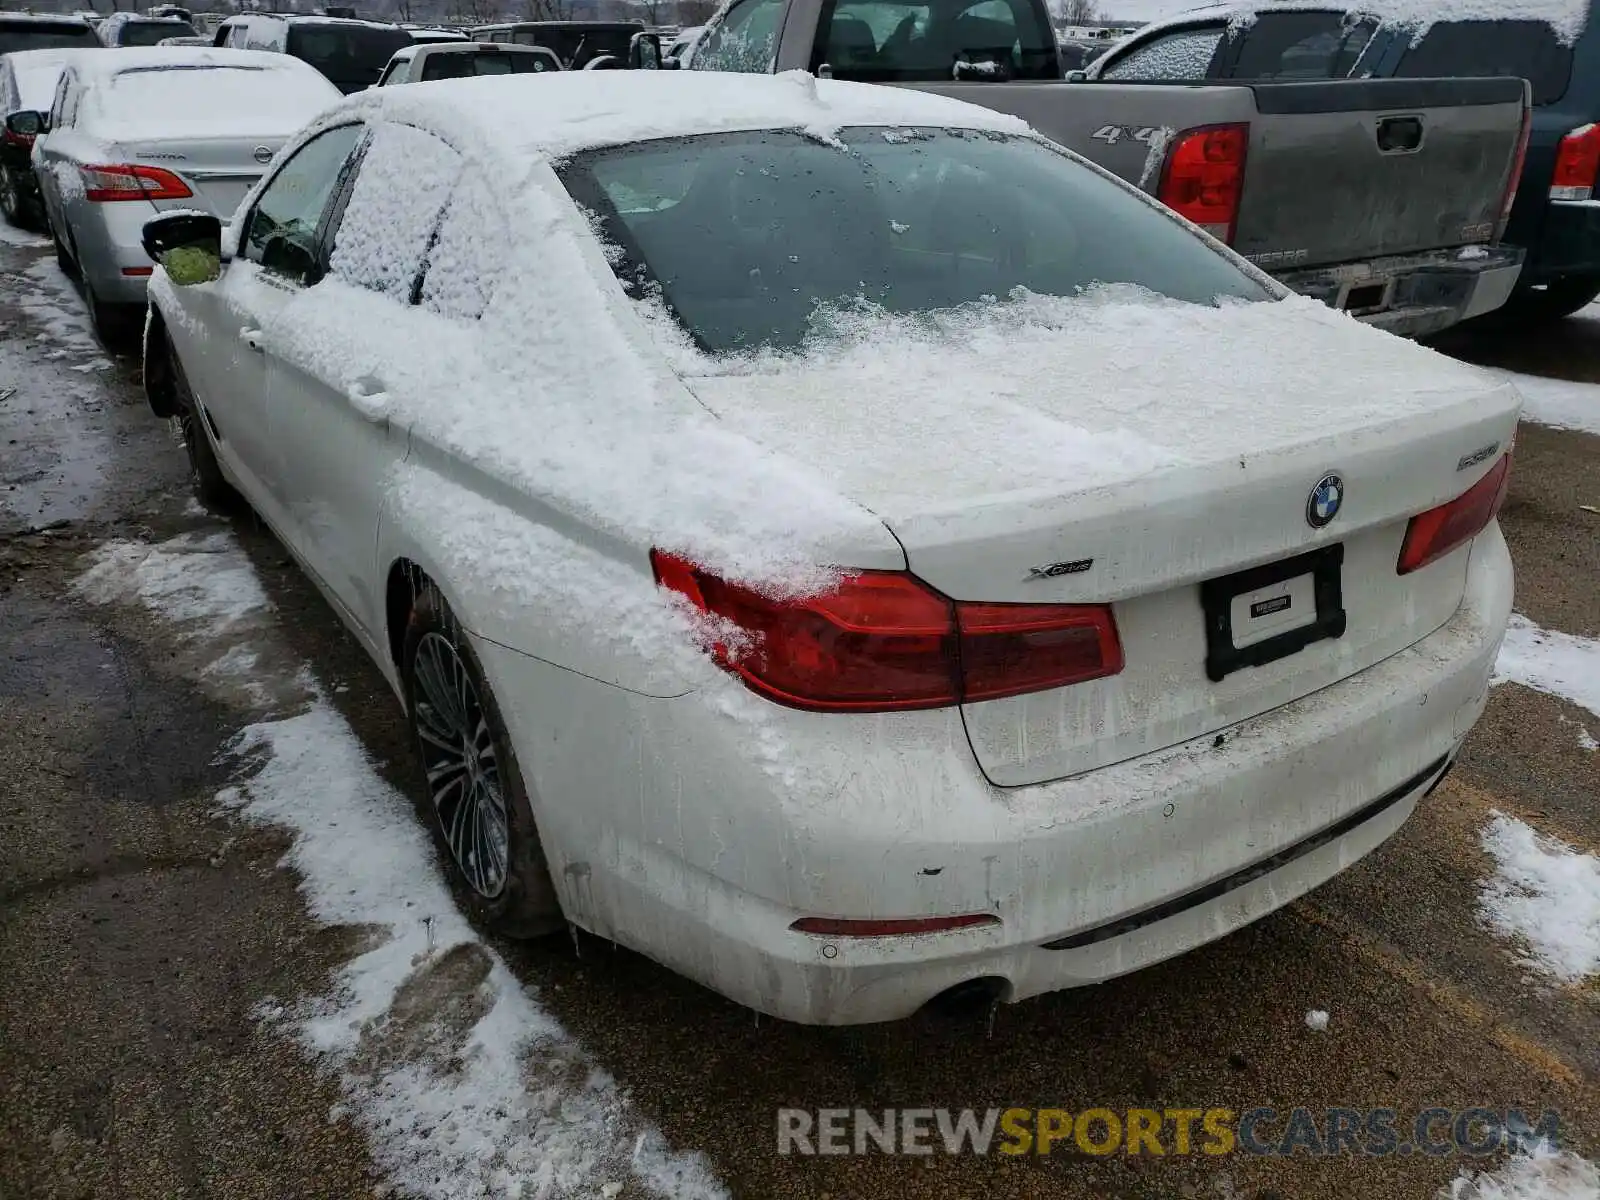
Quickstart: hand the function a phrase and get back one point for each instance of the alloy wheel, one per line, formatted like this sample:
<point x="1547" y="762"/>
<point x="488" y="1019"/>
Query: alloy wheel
<point x="458" y="753"/>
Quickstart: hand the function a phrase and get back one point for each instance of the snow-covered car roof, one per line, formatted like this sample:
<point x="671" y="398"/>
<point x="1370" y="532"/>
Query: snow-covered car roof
<point x="311" y="19"/>
<point x="118" y="19"/>
<point x="264" y="95"/>
<point x="94" y="67"/>
<point x="554" y="115"/>
<point x="36" y="73"/>
<point x="1567" y="17"/>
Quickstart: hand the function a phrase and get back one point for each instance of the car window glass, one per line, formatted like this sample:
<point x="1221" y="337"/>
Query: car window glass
<point x="465" y="260"/>
<point x="746" y="39"/>
<point x="744" y="236"/>
<point x="401" y="186"/>
<point x="1301" y="45"/>
<point x="1529" y="49"/>
<point x="884" y="41"/>
<point x="58" y="106"/>
<point x="24" y="34"/>
<point x="281" y="233"/>
<point x="1182" y="54"/>
<point x="69" y="108"/>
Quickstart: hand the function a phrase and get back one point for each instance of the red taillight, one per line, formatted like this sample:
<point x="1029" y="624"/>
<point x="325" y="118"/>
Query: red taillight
<point x="131" y="181"/>
<point x="1433" y="534"/>
<point x="884" y="641"/>
<point x="1518" y="161"/>
<point x="835" y="927"/>
<point x="25" y="140"/>
<point x="1577" y="163"/>
<point x="1204" y="177"/>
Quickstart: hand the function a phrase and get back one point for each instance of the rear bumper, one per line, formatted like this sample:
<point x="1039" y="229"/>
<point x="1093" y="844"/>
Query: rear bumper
<point x="1568" y="242"/>
<point x="698" y="841"/>
<point x="1417" y="294"/>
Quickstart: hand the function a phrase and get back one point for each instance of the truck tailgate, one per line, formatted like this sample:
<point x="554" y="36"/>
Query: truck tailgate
<point x="1359" y="169"/>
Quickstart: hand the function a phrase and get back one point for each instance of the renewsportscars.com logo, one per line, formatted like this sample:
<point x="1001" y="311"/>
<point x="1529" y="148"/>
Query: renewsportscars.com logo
<point x="1477" y="1132"/>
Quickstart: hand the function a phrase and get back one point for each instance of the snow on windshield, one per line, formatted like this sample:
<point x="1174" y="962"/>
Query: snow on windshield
<point x="206" y="101"/>
<point x="743" y="235"/>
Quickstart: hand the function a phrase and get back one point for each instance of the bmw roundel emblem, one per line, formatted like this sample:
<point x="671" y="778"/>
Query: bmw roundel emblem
<point x="1323" y="504"/>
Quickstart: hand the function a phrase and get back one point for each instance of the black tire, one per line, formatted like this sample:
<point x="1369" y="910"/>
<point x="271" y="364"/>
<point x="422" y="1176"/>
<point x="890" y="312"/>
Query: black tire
<point x="1551" y="302"/>
<point x="507" y="889"/>
<point x="118" y="326"/>
<point x="12" y="206"/>
<point x="64" y="260"/>
<point x="205" y="473"/>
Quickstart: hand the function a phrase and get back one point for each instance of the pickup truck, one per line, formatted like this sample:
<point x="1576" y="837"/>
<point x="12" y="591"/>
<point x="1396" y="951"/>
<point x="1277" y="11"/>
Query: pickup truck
<point x="1384" y="198"/>
<point x="1556" y="219"/>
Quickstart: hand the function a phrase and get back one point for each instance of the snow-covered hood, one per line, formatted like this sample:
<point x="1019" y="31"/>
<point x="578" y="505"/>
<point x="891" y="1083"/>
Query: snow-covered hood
<point x="1063" y="397"/>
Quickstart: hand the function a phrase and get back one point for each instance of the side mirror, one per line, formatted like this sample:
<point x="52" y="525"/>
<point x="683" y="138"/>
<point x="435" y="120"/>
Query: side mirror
<point x="27" y="123"/>
<point x="1077" y="77"/>
<point x="188" y="245"/>
<point x="644" y="52"/>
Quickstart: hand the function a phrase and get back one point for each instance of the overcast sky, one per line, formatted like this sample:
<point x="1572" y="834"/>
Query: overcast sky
<point x="1143" y="10"/>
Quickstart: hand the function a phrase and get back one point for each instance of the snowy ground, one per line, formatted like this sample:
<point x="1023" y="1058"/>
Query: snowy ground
<point x="466" y="1086"/>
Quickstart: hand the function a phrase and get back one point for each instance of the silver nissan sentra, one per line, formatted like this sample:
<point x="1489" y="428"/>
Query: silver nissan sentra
<point x="131" y="133"/>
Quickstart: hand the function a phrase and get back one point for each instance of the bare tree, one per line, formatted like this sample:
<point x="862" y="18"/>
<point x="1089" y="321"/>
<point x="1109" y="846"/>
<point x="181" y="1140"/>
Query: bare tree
<point x="1079" y="12"/>
<point x="656" y="12"/>
<point x="550" y="10"/>
<point x="695" y="12"/>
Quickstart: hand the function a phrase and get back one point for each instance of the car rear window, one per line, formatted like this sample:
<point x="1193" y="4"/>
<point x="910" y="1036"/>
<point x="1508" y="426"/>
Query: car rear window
<point x="577" y="46"/>
<point x="465" y="66"/>
<point x="1301" y="45"/>
<point x="885" y="41"/>
<point x="1529" y="49"/>
<point x="149" y="33"/>
<point x="745" y="235"/>
<point x="351" y="55"/>
<point x="44" y="35"/>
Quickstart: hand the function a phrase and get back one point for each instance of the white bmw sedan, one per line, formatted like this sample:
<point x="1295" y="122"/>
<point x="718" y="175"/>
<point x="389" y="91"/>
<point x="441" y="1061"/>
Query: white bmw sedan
<point x="832" y="540"/>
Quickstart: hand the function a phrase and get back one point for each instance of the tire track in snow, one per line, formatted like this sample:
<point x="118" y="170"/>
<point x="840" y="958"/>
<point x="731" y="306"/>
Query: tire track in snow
<point x="465" y="1086"/>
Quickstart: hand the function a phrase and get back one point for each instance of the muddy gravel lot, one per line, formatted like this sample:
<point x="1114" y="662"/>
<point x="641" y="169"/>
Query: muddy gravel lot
<point x="194" y="1003"/>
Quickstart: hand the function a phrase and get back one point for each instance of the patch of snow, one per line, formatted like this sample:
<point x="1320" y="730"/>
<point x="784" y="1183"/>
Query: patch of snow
<point x="465" y="1086"/>
<point x="1471" y="253"/>
<point x="1540" y="1173"/>
<point x="1545" y="896"/>
<point x="10" y="235"/>
<point x="1550" y="661"/>
<point x="1559" y="403"/>
<point x="1155" y="158"/>
<point x="507" y="1106"/>
<point x="1587" y="740"/>
<point x="1317" y="1019"/>
<point x="192" y="578"/>
<point x="48" y="299"/>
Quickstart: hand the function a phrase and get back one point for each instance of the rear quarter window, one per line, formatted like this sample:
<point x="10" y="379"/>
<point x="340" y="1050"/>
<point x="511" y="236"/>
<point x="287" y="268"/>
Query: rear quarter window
<point x="1181" y="54"/>
<point x="1529" y="49"/>
<point x="1300" y="45"/>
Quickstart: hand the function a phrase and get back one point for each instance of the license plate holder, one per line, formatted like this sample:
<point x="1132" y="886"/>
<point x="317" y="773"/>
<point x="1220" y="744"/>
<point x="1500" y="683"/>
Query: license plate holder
<point x="1224" y="656"/>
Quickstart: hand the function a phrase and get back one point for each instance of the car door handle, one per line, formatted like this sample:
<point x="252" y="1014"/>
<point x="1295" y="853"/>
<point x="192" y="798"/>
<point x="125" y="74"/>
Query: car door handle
<point x="252" y="338"/>
<point x="369" y="396"/>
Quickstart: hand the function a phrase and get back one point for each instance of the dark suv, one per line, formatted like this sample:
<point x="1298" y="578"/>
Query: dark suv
<point x="1554" y="217"/>
<point x="44" y="31"/>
